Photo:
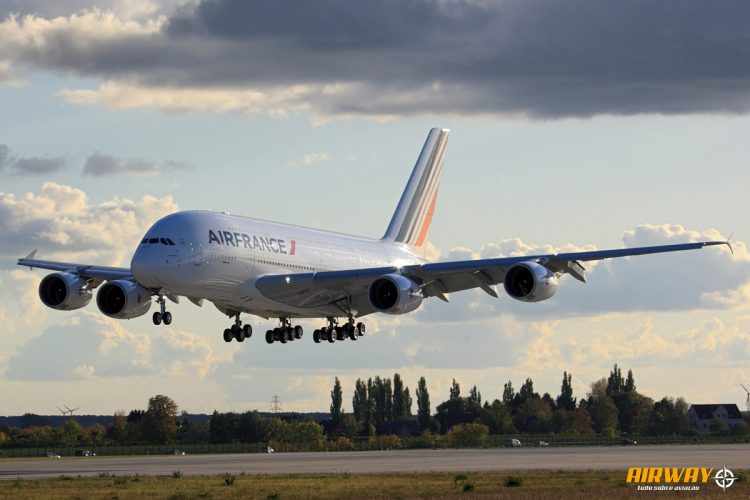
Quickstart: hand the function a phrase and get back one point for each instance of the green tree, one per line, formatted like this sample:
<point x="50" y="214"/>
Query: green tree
<point x="423" y="405"/>
<point x="629" y="382"/>
<point x="497" y="418"/>
<point x="336" y="401"/>
<point x="118" y="431"/>
<point x="475" y="395"/>
<point x="160" y="420"/>
<point x="603" y="414"/>
<point x="470" y="434"/>
<point x="615" y="383"/>
<point x="407" y="403"/>
<point x="508" y="394"/>
<point x="456" y="411"/>
<point x="565" y="400"/>
<point x="71" y="432"/>
<point x="455" y="390"/>
<point x="360" y="403"/>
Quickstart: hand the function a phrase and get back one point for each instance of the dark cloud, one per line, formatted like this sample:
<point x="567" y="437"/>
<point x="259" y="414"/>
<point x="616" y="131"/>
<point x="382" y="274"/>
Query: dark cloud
<point x="37" y="166"/>
<point x="33" y="165"/>
<point x="101" y="165"/>
<point x="539" y="57"/>
<point x="4" y="156"/>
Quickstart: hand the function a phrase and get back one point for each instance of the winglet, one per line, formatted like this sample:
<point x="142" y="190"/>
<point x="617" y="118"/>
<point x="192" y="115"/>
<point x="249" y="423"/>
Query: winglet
<point x="729" y="243"/>
<point x="31" y="255"/>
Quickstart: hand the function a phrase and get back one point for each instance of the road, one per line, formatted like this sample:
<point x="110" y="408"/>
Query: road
<point x="573" y="458"/>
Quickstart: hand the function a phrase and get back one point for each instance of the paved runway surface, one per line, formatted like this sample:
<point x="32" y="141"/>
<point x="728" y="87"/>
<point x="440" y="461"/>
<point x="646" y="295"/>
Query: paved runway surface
<point x="579" y="458"/>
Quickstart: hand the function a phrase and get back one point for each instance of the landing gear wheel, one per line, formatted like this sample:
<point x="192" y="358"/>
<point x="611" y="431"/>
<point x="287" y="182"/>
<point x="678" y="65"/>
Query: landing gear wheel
<point x="239" y="335"/>
<point x="330" y="336"/>
<point x="156" y="318"/>
<point x="316" y="336"/>
<point x="167" y="318"/>
<point x="340" y="333"/>
<point x="269" y="336"/>
<point x="228" y="335"/>
<point x="282" y="337"/>
<point x="361" y="329"/>
<point x="247" y="331"/>
<point x="298" y="332"/>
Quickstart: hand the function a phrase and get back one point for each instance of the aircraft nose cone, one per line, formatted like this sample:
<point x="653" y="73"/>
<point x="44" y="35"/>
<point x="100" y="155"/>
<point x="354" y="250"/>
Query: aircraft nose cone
<point x="145" y="268"/>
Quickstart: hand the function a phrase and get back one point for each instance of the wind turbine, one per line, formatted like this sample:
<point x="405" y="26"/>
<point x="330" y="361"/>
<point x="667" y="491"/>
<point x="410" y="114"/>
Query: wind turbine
<point x="747" y="401"/>
<point x="68" y="410"/>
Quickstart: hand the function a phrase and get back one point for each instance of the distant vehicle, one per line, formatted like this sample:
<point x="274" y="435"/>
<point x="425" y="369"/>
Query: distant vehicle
<point x="272" y="270"/>
<point x="543" y="443"/>
<point x="515" y="443"/>
<point x="270" y="450"/>
<point x="179" y="453"/>
<point x="52" y="454"/>
<point x="630" y="442"/>
<point x="85" y="453"/>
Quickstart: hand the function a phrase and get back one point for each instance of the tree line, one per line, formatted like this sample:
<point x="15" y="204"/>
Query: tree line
<point x="383" y="408"/>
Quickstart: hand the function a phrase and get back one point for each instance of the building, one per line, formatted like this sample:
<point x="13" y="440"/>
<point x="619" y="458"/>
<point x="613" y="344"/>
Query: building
<point x="707" y="418"/>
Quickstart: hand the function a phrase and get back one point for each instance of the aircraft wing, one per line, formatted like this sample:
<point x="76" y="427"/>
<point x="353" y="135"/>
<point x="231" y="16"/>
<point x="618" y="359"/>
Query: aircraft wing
<point x="99" y="273"/>
<point x="435" y="279"/>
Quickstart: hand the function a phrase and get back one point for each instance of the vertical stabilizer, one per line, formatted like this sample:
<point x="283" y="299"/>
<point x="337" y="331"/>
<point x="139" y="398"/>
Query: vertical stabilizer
<point x="413" y="216"/>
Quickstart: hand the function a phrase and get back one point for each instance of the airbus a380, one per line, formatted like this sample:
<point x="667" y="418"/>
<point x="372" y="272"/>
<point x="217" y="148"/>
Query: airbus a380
<point x="272" y="270"/>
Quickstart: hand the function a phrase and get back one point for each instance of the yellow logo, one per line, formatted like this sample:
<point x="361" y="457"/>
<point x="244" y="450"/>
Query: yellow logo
<point x="668" y="478"/>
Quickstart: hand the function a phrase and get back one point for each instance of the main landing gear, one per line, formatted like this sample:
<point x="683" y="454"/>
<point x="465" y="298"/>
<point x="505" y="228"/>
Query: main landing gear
<point x="284" y="333"/>
<point x="162" y="315"/>
<point x="334" y="332"/>
<point x="237" y="331"/>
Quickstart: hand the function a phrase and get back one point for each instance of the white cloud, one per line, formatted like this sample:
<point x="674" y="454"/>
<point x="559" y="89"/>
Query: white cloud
<point x="88" y="345"/>
<point x="60" y="221"/>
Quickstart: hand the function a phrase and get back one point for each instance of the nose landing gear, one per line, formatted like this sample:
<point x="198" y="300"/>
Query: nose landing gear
<point x="237" y="331"/>
<point x="162" y="315"/>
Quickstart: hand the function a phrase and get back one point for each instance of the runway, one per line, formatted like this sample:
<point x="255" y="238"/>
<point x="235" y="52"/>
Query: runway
<point x="573" y="458"/>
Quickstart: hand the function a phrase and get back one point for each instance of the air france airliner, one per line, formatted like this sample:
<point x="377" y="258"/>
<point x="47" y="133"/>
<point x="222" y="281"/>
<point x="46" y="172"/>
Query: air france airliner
<point x="272" y="270"/>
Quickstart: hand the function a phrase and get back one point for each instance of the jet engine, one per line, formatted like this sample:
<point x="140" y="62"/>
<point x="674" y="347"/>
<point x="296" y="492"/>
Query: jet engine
<point x="123" y="299"/>
<point x="64" y="291"/>
<point x="395" y="294"/>
<point x="530" y="282"/>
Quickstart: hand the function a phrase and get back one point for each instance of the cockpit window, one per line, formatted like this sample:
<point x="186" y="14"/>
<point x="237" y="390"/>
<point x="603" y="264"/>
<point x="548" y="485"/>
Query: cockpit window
<point x="170" y="242"/>
<point x="153" y="241"/>
<point x="145" y="241"/>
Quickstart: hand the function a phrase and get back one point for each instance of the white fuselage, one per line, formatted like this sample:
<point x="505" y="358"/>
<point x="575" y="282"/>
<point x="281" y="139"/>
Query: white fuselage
<point x="218" y="257"/>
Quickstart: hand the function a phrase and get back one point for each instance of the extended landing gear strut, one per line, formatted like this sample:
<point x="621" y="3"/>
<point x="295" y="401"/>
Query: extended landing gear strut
<point x="334" y="332"/>
<point x="284" y="333"/>
<point x="162" y="314"/>
<point x="237" y="331"/>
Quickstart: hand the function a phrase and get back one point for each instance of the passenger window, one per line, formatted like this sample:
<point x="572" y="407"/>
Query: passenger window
<point x="170" y="242"/>
<point x="153" y="241"/>
<point x="163" y="241"/>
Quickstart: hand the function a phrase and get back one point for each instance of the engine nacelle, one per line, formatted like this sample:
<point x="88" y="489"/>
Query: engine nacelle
<point x="64" y="291"/>
<point x="530" y="282"/>
<point x="395" y="294"/>
<point x="123" y="299"/>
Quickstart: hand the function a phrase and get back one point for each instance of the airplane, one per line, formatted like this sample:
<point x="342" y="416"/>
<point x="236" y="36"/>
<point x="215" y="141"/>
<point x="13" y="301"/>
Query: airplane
<point x="273" y="270"/>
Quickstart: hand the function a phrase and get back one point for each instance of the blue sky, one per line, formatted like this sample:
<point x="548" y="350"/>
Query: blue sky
<point x="560" y="165"/>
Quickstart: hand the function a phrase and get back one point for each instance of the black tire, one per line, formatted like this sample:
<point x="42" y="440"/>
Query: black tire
<point x="361" y="329"/>
<point x="330" y="336"/>
<point x="239" y="335"/>
<point x="247" y="331"/>
<point x="316" y="336"/>
<point x="298" y="332"/>
<point x="156" y="318"/>
<point x="167" y="318"/>
<point x="228" y="335"/>
<point x="269" y="337"/>
<point x="340" y="333"/>
<point x="289" y="333"/>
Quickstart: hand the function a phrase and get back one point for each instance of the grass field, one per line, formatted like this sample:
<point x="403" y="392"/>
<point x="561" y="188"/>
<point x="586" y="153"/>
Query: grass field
<point x="529" y="485"/>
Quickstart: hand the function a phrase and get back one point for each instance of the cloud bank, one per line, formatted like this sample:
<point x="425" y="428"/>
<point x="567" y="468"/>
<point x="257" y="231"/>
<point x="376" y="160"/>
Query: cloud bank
<point x="539" y="58"/>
